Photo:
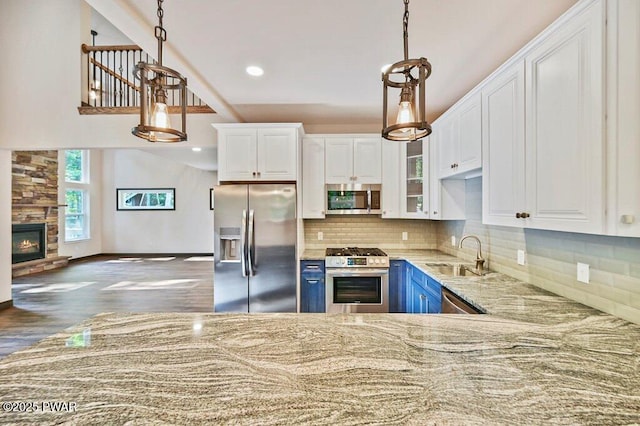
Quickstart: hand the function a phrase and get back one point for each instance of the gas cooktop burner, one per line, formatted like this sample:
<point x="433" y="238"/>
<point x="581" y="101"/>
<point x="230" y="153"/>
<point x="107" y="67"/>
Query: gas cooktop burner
<point x="354" y="251"/>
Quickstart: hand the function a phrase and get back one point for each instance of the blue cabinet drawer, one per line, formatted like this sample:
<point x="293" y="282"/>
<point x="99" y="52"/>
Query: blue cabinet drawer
<point x="312" y="267"/>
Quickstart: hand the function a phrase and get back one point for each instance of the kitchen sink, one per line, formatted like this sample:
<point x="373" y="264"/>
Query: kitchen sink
<point x="453" y="269"/>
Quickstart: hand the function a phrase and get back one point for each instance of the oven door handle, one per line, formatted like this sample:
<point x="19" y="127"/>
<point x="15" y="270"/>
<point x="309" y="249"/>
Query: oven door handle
<point x="351" y="273"/>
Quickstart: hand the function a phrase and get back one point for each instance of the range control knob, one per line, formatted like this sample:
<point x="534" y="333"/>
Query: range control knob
<point x="370" y="260"/>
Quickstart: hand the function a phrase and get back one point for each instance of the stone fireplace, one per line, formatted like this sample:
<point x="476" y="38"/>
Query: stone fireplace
<point x="28" y="242"/>
<point x="34" y="212"/>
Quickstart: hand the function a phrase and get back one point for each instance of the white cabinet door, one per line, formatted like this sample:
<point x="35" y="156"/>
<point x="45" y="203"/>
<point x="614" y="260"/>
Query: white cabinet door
<point x="237" y="152"/>
<point x="446" y="197"/>
<point x="277" y="154"/>
<point x="503" y="170"/>
<point x="313" y="191"/>
<point x="564" y="126"/>
<point x="391" y="152"/>
<point x="367" y="160"/>
<point x="623" y="130"/>
<point x="447" y="141"/>
<point x="339" y="160"/>
<point x="470" y="137"/>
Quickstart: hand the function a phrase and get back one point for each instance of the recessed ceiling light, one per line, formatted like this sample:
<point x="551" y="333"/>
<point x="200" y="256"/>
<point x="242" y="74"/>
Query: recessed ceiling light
<point x="254" y="71"/>
<point x="196" y="149"/>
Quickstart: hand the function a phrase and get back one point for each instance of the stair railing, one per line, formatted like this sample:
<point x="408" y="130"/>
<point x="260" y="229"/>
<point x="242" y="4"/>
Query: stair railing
<point x="110" y="82"/>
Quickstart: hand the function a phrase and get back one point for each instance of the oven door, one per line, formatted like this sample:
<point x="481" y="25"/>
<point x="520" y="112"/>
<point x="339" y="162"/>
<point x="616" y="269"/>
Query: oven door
<point x="357" y="290"/>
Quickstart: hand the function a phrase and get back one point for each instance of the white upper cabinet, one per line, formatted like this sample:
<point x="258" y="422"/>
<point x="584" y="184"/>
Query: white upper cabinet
<point x="623" y="130"/>
<point x="564" y="125"/>
<point x="391" y="152"/>
<point x="460" y="139"/>
<point x="446" y="197"/>
<point x="353" y="160"/>
<point x="313" y="191"/>
<point x="503" y="168"/>
<point x="543" y="130"/>
<point x="470" y="135"/>
<point x="255" y="153"/>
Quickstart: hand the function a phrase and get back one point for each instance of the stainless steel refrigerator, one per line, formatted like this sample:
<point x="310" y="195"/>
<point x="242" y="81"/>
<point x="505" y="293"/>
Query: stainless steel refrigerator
<point x="255" y="248"/>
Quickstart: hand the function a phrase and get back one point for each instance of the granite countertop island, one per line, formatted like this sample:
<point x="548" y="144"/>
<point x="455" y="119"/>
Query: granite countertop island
<point x="535" y="358"/>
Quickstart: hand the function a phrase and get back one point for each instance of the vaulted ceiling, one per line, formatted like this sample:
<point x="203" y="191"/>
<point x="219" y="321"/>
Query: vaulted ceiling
<point x="322" y="58"/>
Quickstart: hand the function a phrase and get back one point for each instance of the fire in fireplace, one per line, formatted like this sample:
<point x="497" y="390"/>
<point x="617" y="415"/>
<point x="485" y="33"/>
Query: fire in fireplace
<point x="28" y="242"/>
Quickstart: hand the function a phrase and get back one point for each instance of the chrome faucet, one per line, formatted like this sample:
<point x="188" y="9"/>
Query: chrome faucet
<point x="479" y="258"/>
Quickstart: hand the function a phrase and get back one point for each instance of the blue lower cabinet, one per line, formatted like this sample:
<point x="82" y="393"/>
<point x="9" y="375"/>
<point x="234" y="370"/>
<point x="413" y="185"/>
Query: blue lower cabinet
<point x="434" y="293"/>
<point x="423" y="292"/>
<point x="312" y="286"/>
<point x="397" y="287"/>
<point x="419" y="299"/>
<point x="312" y="294"/>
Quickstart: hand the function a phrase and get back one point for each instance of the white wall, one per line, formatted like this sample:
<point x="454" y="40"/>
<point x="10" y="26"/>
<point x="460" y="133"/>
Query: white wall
<point x="93" y="245"/>
<point x="5" y="225"/>
<point x="188" y="229"/>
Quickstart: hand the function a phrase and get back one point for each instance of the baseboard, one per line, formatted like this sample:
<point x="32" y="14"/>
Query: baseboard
<point x="93" y="256"/>
<point x="6" y="304"/>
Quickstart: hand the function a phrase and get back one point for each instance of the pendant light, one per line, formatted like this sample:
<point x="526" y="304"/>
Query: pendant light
<point x="158" y="84"/>
<point x="408" y="75"/>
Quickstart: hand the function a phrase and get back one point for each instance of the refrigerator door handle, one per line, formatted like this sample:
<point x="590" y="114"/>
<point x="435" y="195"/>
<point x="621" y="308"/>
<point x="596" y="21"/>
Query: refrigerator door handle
<point x="243" y="243"/>
<point x="251" y="253"/>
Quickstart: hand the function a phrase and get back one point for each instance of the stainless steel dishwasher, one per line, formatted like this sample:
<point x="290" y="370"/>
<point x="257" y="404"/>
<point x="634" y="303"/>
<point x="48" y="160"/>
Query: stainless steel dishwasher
<point x="452" y="304"/>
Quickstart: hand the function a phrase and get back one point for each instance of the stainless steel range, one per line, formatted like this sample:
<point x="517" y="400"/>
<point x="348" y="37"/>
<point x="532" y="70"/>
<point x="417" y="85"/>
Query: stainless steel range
<point x="357" y="280"/>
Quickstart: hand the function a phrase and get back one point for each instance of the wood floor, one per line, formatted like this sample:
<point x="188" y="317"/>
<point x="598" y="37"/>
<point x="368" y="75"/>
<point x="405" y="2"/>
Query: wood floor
<point x="49" y="302"/>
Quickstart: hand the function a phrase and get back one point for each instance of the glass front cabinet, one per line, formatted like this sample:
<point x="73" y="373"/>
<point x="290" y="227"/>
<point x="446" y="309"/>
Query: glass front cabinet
<point x="415" y="186"/>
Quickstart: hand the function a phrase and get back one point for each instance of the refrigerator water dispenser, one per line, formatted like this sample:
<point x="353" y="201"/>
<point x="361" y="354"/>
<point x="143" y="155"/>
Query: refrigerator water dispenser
<point x="230" y="244"/>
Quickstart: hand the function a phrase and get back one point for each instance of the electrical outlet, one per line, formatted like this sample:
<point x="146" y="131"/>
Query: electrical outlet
<point x="320" y="236"/>
<point x="521" y="257"/>
<point x="583" y="273"/>
<point x="405" y="236"/>
<point x="453" y="240"/>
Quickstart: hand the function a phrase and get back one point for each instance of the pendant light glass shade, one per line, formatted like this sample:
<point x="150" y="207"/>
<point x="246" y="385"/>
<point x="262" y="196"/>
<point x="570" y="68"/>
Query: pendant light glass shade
<point x="408" y="75"/>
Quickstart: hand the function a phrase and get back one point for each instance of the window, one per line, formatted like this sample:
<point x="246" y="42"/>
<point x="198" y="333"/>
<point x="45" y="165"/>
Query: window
<point x="76" y="169"/>
<point x="76" y="176"/>
<point x="76" y="222"/>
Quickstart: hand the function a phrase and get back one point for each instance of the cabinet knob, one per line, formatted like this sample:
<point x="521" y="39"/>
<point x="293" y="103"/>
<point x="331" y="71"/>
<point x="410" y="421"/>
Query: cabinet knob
<point x="435" y="212"/>
<point x="254" y="174"/>
<point x="422" y="296"/>
<point x="258" y="174"/>
<point x="627" y="219"/>
<point x="522" y="215"/>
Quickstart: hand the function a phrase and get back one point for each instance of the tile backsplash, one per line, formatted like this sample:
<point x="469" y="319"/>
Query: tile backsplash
<point x="551" y="258"/>
<point x="369" y="231"/>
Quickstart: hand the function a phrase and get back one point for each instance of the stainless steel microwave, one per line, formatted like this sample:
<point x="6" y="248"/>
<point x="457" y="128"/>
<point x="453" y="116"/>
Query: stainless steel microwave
<point x="353" y="199"/>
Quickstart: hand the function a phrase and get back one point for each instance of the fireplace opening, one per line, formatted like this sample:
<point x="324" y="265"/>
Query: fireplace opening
<point x="28" y="242"/>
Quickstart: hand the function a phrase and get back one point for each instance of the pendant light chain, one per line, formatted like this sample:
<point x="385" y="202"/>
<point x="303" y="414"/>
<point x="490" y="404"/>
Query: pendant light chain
<point x="161" y="33"/>
<point x="405" y="29"/>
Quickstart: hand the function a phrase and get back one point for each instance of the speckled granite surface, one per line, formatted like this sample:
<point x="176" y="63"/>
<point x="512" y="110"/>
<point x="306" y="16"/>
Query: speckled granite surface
<point x="535" y="358"/>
